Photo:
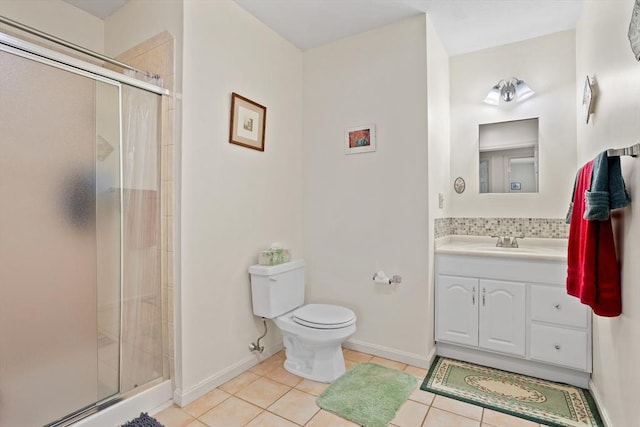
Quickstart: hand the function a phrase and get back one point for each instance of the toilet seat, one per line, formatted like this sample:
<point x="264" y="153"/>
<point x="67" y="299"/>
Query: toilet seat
<point x="324" y="316"/>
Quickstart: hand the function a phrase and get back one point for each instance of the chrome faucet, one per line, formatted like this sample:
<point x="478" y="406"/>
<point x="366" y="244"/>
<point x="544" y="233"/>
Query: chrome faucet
<point x="508" y="241"/>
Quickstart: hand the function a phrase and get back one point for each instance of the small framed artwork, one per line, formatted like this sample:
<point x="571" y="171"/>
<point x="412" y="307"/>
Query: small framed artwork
<point x="248" y="121"/>
<point x="360" y="139"/>
<point x="587" y="99"/>
<point x="516" y="186"/>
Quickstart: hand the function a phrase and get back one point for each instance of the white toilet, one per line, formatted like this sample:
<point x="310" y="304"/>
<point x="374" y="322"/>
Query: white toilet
<point x="313" y="334"/>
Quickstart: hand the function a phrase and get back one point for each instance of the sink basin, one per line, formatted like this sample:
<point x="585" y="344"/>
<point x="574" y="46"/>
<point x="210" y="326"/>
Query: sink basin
<point x="532" y="248"/>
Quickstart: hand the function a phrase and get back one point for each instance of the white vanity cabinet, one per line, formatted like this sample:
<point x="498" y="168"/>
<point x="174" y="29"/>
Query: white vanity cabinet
<point x="489" y="314"/>
<point x="512" y="313"/>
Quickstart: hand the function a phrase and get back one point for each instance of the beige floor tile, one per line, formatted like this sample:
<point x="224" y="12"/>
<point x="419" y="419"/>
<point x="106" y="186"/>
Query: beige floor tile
<point x="173" y="417"/>
<point x="312" y="387"/>
<point x="281" y="375"/>
<point x="457" y="407"/>
<point x="355" y="356"/>
<point x="440" y="418"/>
<point x="233" y="412"/>
<point x="349" y="364"/>
<point x="267" y="419"/>
<point x="206" y="402"/>
<point x="268" y="365"/>
<point x="416" y="372"/>
<point x="410" y="414"/>
<point x="263" y="392"/>
<point x="388" y="363"/>
<point x="195" y="423"/>
<point x="422" y="396"/>
<point x="499" y="419"/>
<point x="327" y="419"/>
<point x="238" y="383"/>
<point x="296" y="406"/>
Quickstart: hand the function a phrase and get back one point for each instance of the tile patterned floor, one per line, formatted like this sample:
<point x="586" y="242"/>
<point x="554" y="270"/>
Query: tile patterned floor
<point x="268" y="396"/>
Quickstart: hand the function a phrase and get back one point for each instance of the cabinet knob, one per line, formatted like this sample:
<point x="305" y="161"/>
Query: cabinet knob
<point x="557" y="346"/>
<point x="557" y="306"/>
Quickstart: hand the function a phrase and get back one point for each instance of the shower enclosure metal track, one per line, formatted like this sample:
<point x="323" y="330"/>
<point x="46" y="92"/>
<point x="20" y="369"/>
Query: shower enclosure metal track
<point x="13" y="44"/>
<point x="72" y="46"/>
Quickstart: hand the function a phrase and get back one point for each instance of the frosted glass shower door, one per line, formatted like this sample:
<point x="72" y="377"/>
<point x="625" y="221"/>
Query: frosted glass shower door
<point x="59" y="241"/>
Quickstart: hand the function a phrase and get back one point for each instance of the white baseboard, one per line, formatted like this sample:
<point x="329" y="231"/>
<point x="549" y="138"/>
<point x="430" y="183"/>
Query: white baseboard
<point x="184" y="397"/>
<point x="597" y="397"/>
<point x="392" y="353"/>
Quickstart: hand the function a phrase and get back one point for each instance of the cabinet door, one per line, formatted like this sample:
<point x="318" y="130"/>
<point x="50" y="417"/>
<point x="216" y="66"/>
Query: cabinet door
<point x="457" y="310"/>
<point x="502" y="316"/>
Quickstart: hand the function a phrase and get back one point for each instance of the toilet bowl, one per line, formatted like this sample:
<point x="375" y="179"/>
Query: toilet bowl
<point x="313" y="333"/>
<point x="313" y="337"/>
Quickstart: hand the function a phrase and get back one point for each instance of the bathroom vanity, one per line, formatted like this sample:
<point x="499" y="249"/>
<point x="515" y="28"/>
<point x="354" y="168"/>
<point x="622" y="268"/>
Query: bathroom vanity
<point x="507" y="308"/>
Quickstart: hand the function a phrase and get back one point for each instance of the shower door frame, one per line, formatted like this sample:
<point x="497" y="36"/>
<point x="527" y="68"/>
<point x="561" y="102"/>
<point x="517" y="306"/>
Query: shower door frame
<point x="30" y="51"/>
<point x="61" y="60"/>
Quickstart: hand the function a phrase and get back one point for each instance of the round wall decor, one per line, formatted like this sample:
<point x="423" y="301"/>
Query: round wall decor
<point x="459" y="185"/>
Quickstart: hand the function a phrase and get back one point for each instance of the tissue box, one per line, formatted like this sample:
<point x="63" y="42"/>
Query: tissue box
<point x="274" y="256"/>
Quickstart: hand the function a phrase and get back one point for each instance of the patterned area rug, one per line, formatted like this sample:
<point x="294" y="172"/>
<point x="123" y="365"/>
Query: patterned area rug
<point x="546" y="402"/>
<point x="368" y="394"/>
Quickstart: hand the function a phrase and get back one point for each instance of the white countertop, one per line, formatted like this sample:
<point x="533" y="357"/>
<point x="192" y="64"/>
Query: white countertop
<point x="529" y="248"/>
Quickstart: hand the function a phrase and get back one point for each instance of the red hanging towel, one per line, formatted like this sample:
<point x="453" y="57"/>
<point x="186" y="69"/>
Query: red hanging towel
<point x="593" y="273"/>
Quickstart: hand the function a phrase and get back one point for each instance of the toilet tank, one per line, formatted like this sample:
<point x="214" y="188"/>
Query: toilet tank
<point x="277" y="289"/>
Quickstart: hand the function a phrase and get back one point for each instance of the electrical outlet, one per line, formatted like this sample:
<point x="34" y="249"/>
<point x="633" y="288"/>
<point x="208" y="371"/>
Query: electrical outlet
<point x="440" y="200"/>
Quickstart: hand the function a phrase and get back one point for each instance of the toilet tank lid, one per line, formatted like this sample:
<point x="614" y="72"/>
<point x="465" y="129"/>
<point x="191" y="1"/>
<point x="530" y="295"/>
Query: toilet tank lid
<point x="268" y="270"/>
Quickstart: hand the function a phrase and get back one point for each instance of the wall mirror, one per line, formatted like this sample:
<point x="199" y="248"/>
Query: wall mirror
<point x="509" y="157"/>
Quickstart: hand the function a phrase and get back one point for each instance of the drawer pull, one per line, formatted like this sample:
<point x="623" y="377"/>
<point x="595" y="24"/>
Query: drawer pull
<point x="557" y="346"/>
<point x="557" y="306"/>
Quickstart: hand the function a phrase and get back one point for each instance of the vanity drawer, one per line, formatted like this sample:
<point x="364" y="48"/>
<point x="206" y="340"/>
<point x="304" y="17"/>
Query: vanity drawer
<point x="565" y="347"/>
<point x="553" y="305"/>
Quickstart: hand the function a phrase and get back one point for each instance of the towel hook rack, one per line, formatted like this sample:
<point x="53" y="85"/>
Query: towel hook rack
<point x="632" y="151"/>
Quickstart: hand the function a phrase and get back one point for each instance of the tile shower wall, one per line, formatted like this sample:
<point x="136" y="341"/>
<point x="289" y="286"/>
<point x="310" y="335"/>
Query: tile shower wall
<point x="553" y="228"/>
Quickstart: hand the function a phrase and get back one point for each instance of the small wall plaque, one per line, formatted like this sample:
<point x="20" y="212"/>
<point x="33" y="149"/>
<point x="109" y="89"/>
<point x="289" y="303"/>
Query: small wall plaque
<point x="459" y="185"/>
<point x="634" y="30"/>
<point x="587" y="99"/>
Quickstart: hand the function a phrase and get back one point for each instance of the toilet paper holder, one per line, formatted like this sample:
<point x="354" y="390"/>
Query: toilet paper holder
<point x="381" y="277"/>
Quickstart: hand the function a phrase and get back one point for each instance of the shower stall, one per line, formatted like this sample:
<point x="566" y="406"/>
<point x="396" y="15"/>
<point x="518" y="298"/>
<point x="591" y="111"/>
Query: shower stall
<point x="80" y="242"/>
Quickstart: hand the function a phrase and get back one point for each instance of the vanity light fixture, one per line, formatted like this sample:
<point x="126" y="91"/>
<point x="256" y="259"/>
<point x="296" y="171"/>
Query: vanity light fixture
<point x="508" y="90"/>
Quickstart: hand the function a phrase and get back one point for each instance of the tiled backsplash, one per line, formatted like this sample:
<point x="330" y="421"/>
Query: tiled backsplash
<point x="554" y="228"/>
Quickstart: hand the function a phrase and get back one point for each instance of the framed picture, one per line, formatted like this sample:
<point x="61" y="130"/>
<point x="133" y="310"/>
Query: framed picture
<point x="248" y="120"/>
<point x="516" y="186"/>
<point x="360" y="139"/>
<point x="587" y="99"/>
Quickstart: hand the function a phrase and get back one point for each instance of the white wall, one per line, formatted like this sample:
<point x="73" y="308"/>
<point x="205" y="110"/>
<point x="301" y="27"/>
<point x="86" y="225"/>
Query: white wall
<point x="235" y="201"/>
<point x="439" y="146"/>
<point x="603" y="51"/>
<point x="70" y="23"/>
<point x="368" y="212"/>
<point x="547" y="64"/>
<point x="139" y="20"/>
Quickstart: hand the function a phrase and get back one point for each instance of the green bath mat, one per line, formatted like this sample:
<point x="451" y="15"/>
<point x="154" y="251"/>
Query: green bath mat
<point x="368" y="394"/>
<point x="545" y="402"/>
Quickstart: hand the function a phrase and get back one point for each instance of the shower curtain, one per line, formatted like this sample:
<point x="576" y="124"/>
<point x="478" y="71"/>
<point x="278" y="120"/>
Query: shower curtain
<point x="142" y="298"/>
